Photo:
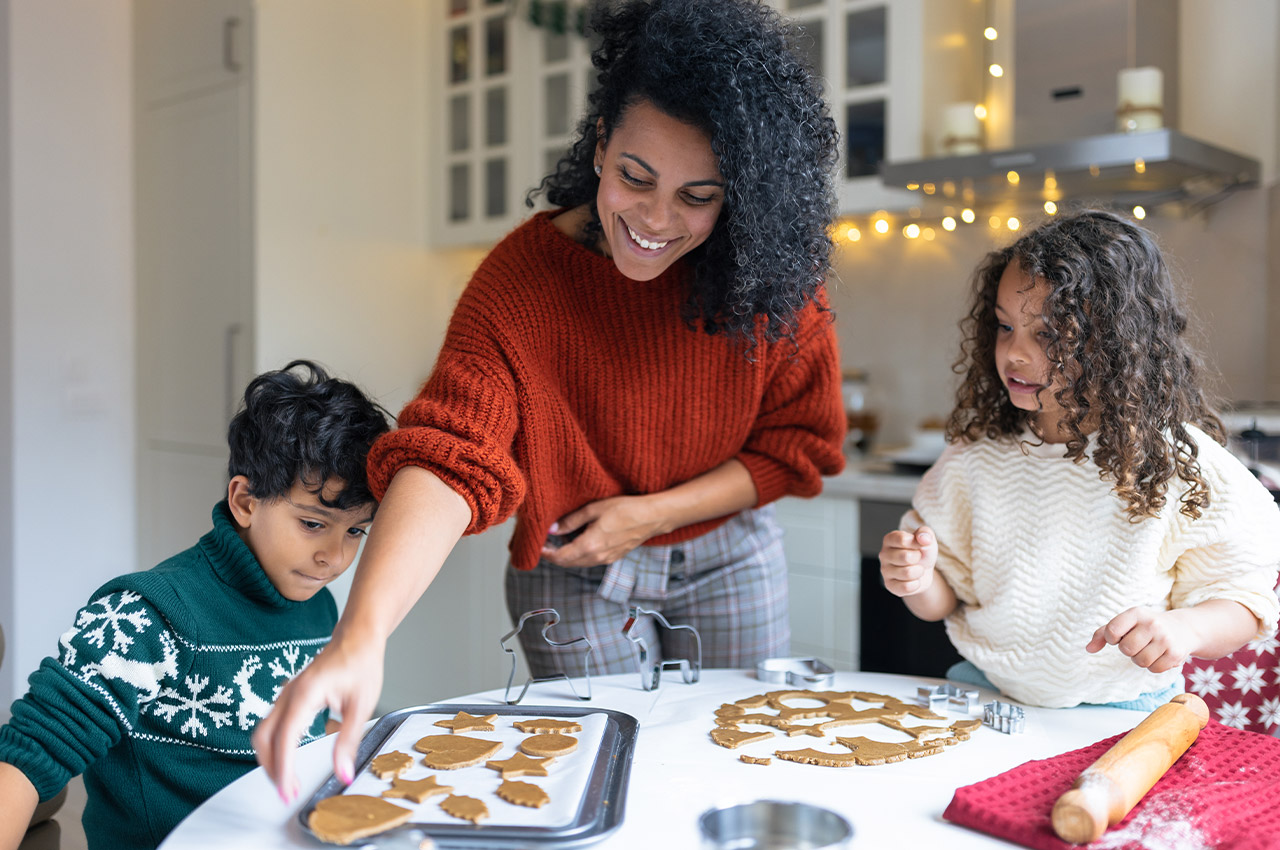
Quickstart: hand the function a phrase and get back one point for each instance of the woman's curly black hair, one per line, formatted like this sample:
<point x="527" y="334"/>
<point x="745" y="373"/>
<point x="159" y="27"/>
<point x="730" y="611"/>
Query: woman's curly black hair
<point x="1117" y="342"/>
<point x="729" y="68"/>
<point x="299" y="424"/>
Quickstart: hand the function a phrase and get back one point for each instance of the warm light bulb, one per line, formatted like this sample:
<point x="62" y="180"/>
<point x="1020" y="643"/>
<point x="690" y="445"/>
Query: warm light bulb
<point x="1140" y="166"/>
<point x="1013" y="178"/>
<point x="967" y="216"/>
<point x="911" y="231"/>
<point x="853" y="234"/>
<point x="948" y="224"/>
<point x="1094" y="171"/>
<point x="913" y="186"/>
<point x="1013" y="223"/>
<point x="990" y="33"/>
<point x="1139" y="213"/>
<point x="1051" y="208"/>
<point x="995" y="70"/>
<point x="882" y="226"/>
<point x="928" y="234"/>
<point x="929" y="188"/>
<point x="994" y="221"/>
<point x="980" y="111"/>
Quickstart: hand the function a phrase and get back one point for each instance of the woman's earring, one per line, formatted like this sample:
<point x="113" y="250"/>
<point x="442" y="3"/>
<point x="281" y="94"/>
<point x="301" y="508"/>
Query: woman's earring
<point x="598" y="170"/>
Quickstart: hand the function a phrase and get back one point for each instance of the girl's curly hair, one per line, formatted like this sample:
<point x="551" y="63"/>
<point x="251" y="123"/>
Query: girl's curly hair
<point x="1117" y="341"/>
<point x="729" y="68"/>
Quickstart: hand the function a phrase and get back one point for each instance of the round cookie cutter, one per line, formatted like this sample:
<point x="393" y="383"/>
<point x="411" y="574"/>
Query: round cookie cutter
<point x="773" y="823"/>
<point x="805" y="672"/>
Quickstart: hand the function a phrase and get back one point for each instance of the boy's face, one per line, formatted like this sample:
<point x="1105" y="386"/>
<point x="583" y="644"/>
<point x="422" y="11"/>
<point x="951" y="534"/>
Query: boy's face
<point x="301" y="544"/>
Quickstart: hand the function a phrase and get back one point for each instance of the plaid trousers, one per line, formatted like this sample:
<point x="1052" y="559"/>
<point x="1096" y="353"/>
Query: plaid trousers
<point x="730" y="584"/>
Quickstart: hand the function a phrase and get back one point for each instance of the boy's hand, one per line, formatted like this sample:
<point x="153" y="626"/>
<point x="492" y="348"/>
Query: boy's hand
<point x="1154" y="639"/>
<point x="907" y="561"/>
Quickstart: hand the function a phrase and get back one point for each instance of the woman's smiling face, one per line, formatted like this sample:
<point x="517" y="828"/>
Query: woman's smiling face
<point x="661" y="191"/>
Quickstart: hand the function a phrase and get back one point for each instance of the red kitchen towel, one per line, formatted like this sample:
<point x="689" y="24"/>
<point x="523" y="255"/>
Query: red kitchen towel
<point x="1223" y="793"/>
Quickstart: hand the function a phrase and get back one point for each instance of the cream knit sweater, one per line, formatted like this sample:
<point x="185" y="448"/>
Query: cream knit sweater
<point x="1040" y="553"/>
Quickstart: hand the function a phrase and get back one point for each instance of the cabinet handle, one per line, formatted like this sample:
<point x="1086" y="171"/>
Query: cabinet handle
<point x="229" y="60"/>
<point x="230" y="386"/>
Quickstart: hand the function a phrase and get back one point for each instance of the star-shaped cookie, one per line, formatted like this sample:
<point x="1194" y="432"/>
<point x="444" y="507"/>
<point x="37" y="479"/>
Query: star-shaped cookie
<point x="520" y="765"/>
<point x="464" y="722"/>
<point x="416" y="789"/>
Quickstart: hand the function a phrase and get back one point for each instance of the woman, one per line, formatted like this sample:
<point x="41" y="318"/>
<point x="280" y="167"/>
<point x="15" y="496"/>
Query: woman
<point x="637" y="374"/>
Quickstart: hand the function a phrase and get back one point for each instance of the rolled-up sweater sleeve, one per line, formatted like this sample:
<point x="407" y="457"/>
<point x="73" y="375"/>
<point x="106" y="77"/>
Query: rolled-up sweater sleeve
<point x="461" y="425"/>
<point x="798" y="435"/>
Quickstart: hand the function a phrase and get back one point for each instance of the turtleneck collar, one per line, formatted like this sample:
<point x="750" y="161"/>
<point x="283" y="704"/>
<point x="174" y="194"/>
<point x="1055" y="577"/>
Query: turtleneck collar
<point x="235" y="565"/>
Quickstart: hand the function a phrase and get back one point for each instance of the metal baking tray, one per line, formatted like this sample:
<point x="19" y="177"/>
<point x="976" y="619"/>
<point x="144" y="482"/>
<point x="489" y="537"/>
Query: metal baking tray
<point x="600" y="811"/>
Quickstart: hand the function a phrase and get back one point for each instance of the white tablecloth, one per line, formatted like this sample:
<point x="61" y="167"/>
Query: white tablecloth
<point x="678" y="773"/>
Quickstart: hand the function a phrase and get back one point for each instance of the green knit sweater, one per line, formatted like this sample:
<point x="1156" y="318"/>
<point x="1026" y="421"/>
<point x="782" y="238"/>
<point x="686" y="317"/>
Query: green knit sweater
<point x="158" y="686"/>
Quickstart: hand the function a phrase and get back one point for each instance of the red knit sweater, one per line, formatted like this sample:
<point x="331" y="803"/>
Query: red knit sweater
<point x="561" y="382"/>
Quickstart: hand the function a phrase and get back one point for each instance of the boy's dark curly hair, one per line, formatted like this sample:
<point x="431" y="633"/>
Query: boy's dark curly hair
<point x="727" y="67"/>
<point x="1117" y="340"/>
<point x="299" y="424"/>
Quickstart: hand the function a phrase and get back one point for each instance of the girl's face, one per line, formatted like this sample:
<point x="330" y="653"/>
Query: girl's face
<point x="1021" y="337"/>
<point x="660" y="192"/>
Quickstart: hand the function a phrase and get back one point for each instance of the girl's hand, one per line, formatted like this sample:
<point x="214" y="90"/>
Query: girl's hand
<point x="907" y="561"/>
<point x="610" y="529"/>
<point x="1154" y="639"/>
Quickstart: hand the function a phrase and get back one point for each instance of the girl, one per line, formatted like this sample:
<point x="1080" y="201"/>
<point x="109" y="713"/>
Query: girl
<point x="636" y="374"/>
<point x="1086" y="531"/>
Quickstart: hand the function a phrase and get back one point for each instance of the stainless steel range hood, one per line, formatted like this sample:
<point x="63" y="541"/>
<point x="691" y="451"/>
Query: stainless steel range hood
<point x="1151" y="167"/>
<point x="1066" y="55"/>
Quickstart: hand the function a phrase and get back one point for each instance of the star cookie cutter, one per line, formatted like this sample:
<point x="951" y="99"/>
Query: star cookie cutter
<point x="801" y="672"/>
<point x="941" y="697"/>
<point x="554" y="616"/>
<point x="1004" y="717"/>
<point x="650" y="670"/>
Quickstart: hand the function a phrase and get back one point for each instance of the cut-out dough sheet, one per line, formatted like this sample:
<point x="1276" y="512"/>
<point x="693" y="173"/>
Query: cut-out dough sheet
<point x="565" y="782"/>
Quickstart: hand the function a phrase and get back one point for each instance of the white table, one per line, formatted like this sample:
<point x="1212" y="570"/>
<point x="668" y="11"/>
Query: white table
<point x="678" y="773"/>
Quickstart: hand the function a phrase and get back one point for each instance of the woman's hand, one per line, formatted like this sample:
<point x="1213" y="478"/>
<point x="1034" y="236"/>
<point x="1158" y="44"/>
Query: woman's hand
<point x="610" y="529"/>
<point x="907" y="561"/>
<point x="347" y="677"/>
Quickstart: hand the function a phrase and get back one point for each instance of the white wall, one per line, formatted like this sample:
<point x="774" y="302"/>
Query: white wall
<point x="69" y="505"/>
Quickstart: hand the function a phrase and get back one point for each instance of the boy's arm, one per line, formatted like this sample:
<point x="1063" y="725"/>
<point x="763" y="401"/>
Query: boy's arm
<point x="18" y="800"/>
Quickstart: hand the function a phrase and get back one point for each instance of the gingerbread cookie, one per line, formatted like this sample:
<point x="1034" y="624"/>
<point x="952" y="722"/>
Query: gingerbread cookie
<point x="547" y="725"/>
<point x="464" y="722"/>
<point x="465" y="808"/>
<point x="734" y="738"/>
<point x="523" y="794"/>
<point x="753" y="760"/>
<point x="450" y="752"/>
<point x="348" y="817"/>
<point x="390" y="764"/>
<point x="416" y="789"/>
<point x="520" y="765"/>
<point x="549" y="745"/>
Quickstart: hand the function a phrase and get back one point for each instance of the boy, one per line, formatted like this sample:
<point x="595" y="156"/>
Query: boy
<point x="164" y="674"/>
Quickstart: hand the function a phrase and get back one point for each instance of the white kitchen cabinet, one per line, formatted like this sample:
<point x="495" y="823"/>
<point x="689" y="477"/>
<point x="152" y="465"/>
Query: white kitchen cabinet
<point x="820" y="537"/>
<point x="194" y="202"/>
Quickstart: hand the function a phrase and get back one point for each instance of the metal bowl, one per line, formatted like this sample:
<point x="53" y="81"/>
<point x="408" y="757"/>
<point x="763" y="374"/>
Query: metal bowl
<point x="773" y="825"/>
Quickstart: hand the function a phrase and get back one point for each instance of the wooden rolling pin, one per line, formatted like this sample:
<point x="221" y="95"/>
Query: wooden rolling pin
<point x="1110" y="787"/>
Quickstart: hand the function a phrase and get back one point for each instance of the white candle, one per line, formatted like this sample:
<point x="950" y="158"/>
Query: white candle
<point x="961" y="130"/>
<point x="1140" y="99"/>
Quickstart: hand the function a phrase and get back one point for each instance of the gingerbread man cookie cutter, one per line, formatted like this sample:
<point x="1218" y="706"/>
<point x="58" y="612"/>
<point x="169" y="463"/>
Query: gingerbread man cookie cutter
<point x="941" y="697"/>
<point x="554" y="618"/>
<point x="651" y="670"/>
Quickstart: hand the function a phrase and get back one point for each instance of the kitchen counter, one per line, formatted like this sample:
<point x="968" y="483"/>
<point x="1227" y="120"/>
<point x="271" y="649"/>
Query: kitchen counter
<point x="871" y="479"/>
<point x="678" y="772"/>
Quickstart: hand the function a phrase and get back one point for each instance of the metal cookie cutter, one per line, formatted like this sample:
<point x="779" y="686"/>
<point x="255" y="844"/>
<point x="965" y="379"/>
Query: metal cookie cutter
<point x="948" y="695"/>
<point x="1004" y="717"/>
<point x="804" y="672"/>
<point x="554" y="618"/>
<point x="650" y="670"/>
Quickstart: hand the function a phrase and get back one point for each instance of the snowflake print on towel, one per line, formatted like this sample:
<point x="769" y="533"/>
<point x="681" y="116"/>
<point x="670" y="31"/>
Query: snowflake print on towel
<point x="1205" y="681"/>
<point x="1270" y="711"/>
<point x="1248" y="678"/>
<point x="197" y="705"/>
<point x="1233" y="714"/>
